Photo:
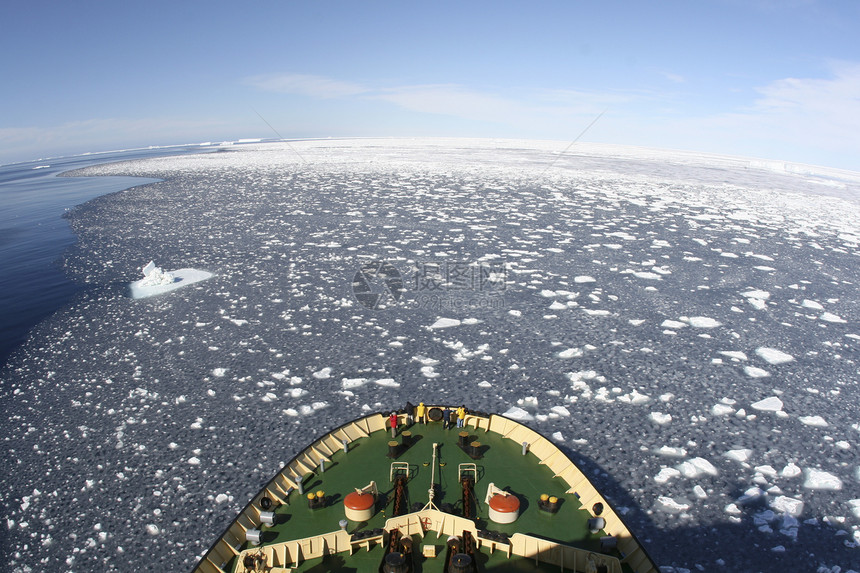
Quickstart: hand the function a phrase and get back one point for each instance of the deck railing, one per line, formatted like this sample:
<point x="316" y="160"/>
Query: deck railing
<point x="439" y="526"/>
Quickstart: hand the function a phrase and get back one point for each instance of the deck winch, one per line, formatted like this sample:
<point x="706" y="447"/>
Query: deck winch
<point x="360" y="505"/>
<point x="504" y="506"/>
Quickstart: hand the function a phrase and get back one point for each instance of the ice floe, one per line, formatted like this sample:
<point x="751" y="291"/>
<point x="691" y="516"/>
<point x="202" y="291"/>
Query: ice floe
<point x="701" y="321"/>
<point x="770" y="404"/>
<point x="821" y="480"/>
<point x="773" y="356"/>
<point x="168" y="282"/>
<point x="816" y="421"/>
<point x="445" y="323"/>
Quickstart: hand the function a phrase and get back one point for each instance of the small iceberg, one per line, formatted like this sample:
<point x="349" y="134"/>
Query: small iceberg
<point x="156" y="281"/>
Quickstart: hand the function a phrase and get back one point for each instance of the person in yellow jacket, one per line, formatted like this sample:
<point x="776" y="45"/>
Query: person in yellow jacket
<point x="461" y="416"/>
<point x="421" y="413"/>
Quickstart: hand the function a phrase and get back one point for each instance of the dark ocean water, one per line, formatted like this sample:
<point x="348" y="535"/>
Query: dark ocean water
<point x="34" y="235"/>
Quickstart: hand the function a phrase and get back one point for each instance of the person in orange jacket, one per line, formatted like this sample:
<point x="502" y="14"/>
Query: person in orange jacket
<point x="461" y="416"/>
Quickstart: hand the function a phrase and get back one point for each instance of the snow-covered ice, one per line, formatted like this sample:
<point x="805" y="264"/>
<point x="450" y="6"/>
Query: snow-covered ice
<point x="177" y="279"/>
<point x="773" y="356"/>
<point x="821" y="479"/>
<point x="445" y="323"/>
<point x="771" y="404"/>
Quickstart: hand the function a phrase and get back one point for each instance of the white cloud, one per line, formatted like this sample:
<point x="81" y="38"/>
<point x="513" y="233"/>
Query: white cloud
<point x="813" y="119"/>
<point x="447" y="99"/>
<point x="804" y="120"/>
<point x="833" y="103"/>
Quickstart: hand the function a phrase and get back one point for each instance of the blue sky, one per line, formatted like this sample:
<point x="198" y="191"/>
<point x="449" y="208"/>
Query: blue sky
<point x="777" y="79"/>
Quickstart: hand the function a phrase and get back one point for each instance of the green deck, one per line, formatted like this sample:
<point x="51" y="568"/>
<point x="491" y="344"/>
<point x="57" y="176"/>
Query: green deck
<point x="502" y="464"/>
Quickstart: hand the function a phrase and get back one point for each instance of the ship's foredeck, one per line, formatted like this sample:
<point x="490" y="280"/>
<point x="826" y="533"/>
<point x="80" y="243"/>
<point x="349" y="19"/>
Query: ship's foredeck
<point x="322" y="539"/>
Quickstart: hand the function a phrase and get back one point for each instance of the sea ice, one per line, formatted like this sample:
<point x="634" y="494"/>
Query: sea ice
<point x="571" y="353"/>
<point x="634" y="397"/>
<point x="560" y="410"/>
<point x="445" y="323"/>
<point x="697" y="467"/>
<point x="702" y="322"/>
<point x="517" y="413"/>
<point x="660" y="418"/>
<point x="351" y="383"/>
<point x="817" y="421"/>
<point x="672" y="505"/>
<point x="822" y="480"/>
<point x="596" y="312"/>
<point x="758" y="294"/>
<point x="830" y="317"/>
<point x="791" y="470"/>
<point x="755" y="372"/>
<point x="721" y="409"/>
<point x="788" y="505"/>
<point x="771" y="404"/>
<point x="671" y="452"/>
<point x="647" y="275"/>
<point x="167" y="282"/>
<point x="666" y="474"/>
<point x="154" y="276"/>
<point x="323" y="374"/>
<point x="773" y="356"/>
